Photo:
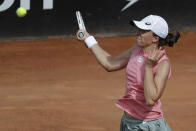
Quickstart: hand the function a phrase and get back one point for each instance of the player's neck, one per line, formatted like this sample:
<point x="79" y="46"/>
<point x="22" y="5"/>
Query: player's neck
<point x="149" y="48"/>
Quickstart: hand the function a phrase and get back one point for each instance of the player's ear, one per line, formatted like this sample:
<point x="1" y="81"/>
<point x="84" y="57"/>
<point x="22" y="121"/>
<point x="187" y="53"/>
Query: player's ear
<point x="155" y="39"/>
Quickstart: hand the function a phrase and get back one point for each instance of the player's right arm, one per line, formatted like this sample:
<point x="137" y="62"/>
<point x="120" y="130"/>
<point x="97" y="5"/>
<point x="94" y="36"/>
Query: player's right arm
<point x="109" y="62"/>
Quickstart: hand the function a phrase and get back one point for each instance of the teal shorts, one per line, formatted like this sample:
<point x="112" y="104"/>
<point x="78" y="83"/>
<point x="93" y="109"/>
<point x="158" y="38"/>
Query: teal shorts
<point x="132" y="124"/>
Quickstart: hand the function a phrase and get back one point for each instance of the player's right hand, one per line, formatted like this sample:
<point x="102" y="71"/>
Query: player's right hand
<point x="82" y="35"/>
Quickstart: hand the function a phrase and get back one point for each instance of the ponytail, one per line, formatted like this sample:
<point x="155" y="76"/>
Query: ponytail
<point x="170" y="40"/>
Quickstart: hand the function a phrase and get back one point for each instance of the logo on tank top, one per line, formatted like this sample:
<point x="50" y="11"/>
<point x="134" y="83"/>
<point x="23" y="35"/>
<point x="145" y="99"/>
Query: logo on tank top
<point x="140" y="59"/>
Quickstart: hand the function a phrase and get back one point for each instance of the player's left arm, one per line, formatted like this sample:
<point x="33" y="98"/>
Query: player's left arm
<point x="154" y="85"/>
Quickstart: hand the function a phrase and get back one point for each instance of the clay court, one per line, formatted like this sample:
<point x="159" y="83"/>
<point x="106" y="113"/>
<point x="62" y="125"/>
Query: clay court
<point x="56" y="84"/>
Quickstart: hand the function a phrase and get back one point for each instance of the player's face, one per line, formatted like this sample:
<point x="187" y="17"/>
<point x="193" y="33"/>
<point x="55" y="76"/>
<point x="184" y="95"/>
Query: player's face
<point x="144" y="38"/>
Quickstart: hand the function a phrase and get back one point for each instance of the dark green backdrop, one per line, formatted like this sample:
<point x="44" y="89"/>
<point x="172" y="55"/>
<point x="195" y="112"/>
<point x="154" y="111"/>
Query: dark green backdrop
<point x="102" y="17"/>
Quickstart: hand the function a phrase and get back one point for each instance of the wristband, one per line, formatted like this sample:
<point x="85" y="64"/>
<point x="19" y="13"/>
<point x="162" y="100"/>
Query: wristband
<point x="90" y="41"/>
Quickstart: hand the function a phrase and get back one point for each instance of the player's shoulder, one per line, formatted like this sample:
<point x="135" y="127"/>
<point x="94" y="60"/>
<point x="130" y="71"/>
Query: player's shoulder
<point x="134" y="49"/>
<point x="164" y="66"/>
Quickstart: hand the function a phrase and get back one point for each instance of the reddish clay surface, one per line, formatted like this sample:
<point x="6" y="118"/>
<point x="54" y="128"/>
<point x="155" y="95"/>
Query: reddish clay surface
<point x="56" y="84"/>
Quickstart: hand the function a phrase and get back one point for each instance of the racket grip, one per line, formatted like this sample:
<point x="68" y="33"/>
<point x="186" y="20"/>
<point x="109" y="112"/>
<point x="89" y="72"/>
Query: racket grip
<point x="81" y="35"/>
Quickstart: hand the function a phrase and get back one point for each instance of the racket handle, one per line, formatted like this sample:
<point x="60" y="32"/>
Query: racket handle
<point x="81" y="35"/>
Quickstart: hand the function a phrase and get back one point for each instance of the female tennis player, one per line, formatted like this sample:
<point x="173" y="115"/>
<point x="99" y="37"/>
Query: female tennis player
<point x="147" y="71"/>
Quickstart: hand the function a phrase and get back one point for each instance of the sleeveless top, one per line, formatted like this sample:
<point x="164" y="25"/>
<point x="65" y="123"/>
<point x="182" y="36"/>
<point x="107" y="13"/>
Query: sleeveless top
<point x="133" y="102"/>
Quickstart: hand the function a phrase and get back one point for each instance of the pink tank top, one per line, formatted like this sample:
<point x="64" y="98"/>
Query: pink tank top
<point x="134" y="101"/>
